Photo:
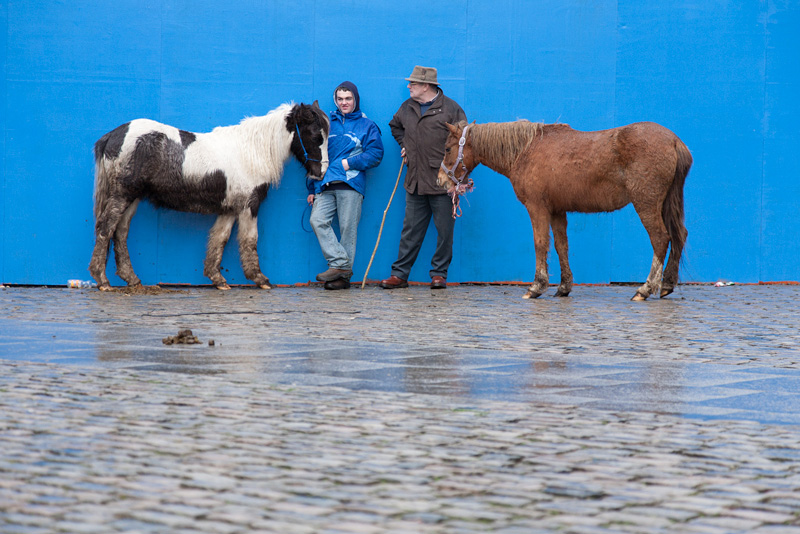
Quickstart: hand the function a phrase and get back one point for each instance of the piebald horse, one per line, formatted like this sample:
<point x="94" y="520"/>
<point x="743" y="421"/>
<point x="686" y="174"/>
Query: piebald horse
<point x="225" y="172"/>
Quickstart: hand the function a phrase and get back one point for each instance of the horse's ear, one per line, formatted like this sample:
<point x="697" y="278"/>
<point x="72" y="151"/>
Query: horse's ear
<point x="453" y="129"/>
<point x="305" y="113"/>
<point x="315" y="104"/>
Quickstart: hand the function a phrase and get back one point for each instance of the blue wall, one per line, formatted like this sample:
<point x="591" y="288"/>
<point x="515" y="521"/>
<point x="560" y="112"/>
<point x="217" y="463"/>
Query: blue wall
<point x="723" y="75"/>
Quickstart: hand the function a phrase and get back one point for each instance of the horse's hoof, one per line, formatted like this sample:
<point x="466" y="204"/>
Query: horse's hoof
<point x="531" y="295"/>
<point x="638" y="297"/>
<point x="665" y="292"/>
<point x="262" y="282"/>
<point x="560" y="293"/>
<point x="223" y="287"/>
<point x="104" y="287"/>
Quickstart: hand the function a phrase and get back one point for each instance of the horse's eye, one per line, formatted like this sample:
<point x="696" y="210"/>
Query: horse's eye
<point x="447" y="150"/>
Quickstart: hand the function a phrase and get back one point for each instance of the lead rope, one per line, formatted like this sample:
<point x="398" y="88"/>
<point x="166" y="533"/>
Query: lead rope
<point x="308" y="207"/>
<point x="456" y="193"/>
<point x="306" y="215"/>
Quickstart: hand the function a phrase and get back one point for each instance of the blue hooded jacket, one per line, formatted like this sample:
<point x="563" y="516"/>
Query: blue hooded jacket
<point x="353" y="137"/>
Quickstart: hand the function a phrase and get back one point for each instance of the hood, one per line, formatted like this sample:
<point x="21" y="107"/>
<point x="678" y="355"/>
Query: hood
<point x="350" y="86"/>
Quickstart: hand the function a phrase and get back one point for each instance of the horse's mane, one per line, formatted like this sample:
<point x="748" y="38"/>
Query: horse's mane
<point x="503" y="142"/>
<point x="265" y="142"/>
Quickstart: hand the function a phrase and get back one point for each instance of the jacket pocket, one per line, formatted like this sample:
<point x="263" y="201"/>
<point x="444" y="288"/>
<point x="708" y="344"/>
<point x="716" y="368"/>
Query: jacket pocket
<point x="435" y="163"/>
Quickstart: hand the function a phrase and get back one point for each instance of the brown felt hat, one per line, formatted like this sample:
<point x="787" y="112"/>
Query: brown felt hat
<point x="423" y="75"/>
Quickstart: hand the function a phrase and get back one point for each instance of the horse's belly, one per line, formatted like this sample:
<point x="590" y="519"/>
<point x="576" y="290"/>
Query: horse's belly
<point x="586" y="198"/>
<point x="601" y="202"/>
<point x="203" y="194"/>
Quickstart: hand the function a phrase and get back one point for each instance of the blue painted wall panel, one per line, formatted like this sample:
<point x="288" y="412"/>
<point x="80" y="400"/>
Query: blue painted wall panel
<point x="42" y="247"/>
<point x="526" y="67"/>
<point x="721" y="74"/>
<point x="3" y="115"/>
<point x="64" y="40"/>
<point x="697" y="68"/>
<point x="780" y="245"/>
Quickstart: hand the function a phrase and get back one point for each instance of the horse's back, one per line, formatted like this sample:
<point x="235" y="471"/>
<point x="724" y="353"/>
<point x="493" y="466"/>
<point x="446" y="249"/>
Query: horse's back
<point x="651" y="131"/>
<point x="122" y="140"/>
<point x="665" y="139"/>
<point x="638" y="144"/>
<point x="142" y="128"/>
<point x="643" y="129"/>
<point x="110" y="144"/>
<point x="600" y="170"/>
<point x="648" y="145"/>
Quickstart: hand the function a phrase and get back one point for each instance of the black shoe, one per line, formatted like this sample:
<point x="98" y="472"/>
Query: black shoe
<point x="340" y="283"/>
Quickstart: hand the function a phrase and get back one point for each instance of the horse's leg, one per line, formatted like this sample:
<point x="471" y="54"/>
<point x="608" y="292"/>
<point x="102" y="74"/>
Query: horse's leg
<point x="659" y="239"/>
<point x="124" y="266"/>
<point x="248" y="249"/>
<point x="558" y="222"/>
<point x="673" y="264"/>
<point x="540" y="220"/>
<point x="217" y="239"/>
<point x="671" y="272"/>
<point x="673" y="219"/>
<point x="652" y="283"/>
<point x="105" y="227"/>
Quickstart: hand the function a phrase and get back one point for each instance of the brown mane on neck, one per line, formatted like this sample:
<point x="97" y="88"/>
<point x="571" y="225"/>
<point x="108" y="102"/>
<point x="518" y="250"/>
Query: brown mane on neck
<point x="499" y="144"/>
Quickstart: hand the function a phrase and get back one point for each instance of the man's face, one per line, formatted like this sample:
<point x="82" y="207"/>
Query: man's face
<point x="345" y="101"/>
<point x="418" y="91"/>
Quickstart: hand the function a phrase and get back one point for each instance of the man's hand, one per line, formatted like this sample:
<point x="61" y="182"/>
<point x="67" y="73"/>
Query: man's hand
<point x="345" y="165"/>
<point x="310" y="199"/>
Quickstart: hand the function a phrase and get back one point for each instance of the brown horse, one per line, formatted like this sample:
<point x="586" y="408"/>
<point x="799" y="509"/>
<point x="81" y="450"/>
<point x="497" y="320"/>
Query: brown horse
<point x="555" y="169"/>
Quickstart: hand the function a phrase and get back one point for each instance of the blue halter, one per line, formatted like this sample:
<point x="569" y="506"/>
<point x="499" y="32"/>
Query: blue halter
<point x="300" y="138"/>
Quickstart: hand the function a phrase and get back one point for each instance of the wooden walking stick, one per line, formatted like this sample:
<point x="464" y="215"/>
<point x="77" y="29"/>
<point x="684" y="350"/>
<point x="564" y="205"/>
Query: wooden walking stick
<point x="380" y="231"/>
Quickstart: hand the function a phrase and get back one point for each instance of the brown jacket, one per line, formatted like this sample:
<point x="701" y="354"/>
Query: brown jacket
<point x="424" y="138"/>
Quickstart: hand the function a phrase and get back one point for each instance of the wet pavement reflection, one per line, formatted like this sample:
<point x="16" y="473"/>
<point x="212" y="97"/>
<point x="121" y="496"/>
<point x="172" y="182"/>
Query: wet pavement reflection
<point x="706" y="352"/>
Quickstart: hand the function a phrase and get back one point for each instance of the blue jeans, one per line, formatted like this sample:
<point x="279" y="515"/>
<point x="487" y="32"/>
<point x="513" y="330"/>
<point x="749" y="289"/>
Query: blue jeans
<point x="345" y="204"/>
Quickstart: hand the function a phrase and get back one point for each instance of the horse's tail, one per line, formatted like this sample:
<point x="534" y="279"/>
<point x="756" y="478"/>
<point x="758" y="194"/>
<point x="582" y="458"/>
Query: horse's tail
<point x="673" y="213"/>
<point x="101" y="175"/>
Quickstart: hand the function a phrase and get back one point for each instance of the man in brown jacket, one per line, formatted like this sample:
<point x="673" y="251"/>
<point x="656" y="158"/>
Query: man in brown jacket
<point x="419" y="128"/>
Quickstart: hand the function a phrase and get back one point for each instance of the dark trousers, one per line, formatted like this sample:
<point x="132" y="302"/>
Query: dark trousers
<point x="419" y="210"/>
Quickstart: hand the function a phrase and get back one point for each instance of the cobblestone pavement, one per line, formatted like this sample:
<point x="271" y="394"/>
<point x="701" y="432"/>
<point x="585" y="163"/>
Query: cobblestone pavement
<point x="466" y="410"/>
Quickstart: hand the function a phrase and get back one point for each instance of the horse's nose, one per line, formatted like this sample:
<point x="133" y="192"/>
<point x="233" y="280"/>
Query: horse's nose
<point x="324" y="153"/>
<point x="444" y="181"/>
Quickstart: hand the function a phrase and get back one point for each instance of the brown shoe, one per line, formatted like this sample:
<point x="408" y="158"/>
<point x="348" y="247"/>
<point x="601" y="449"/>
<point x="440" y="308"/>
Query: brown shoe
<point x="438" y="282"/>
<point x="393" y="282"/>
<point x="334" y="274"/>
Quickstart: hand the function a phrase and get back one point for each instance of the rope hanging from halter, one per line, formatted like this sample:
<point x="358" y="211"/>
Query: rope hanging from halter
<point x="465" y="183"/>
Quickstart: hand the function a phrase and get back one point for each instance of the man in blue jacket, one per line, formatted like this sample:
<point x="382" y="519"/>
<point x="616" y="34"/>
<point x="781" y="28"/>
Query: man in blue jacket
<point x="354" y="145"/>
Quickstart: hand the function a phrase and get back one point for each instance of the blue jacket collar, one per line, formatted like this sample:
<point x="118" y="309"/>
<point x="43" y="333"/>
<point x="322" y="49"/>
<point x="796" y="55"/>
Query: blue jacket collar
<point x="336" y="114"/>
